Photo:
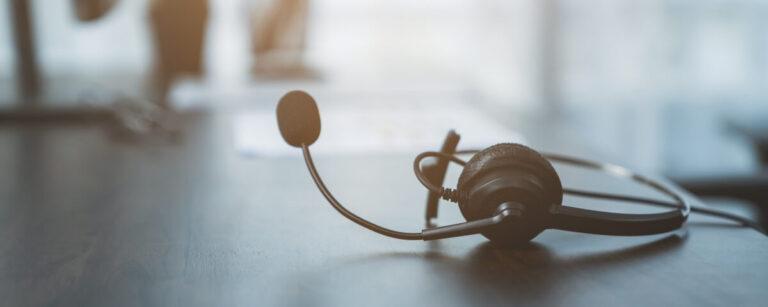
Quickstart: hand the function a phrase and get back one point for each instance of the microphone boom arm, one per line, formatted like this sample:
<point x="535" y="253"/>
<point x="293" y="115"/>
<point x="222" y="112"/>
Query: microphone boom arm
<point x="346" y="213"/>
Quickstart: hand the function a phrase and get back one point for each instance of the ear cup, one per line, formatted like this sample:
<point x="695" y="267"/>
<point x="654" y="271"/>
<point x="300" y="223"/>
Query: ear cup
<point x="507" y="154"/>
<point x="510" y="172"/>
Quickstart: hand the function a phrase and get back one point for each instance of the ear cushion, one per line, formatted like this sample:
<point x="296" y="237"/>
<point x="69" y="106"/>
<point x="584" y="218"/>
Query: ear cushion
<point x="513" y="155"/>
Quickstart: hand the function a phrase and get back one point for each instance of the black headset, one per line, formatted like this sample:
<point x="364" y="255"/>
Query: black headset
<point x="507" y="192"/>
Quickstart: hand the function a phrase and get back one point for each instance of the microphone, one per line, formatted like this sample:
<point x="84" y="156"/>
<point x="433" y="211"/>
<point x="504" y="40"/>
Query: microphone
<point x="298" y="118"/>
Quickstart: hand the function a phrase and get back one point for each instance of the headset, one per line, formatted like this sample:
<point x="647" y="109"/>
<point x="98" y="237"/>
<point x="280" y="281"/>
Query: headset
<point x="508" y="192"/>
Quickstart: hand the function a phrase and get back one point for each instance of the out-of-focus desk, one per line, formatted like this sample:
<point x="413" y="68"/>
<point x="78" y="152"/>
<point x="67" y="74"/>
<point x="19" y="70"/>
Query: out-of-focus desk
<point x="88" y="222"/>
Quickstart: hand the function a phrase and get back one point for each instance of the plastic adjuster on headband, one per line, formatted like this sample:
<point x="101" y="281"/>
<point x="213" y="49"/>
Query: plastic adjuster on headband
<point x="436" y="172"/>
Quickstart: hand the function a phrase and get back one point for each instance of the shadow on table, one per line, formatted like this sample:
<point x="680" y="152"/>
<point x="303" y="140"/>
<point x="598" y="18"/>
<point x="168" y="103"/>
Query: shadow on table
<point x="486" y="276"/>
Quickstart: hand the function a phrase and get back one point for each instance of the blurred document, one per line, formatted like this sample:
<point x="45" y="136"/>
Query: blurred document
<point x="375" y="130"/>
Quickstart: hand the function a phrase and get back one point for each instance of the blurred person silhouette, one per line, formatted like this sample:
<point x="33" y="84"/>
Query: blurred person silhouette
<point x="178" y="28"/>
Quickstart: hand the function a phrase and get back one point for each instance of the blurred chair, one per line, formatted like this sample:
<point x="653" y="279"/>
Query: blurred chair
<point x="29" y="105"/>
<point x="89" y="10"/>
<point x="178" y="26"/>
<point x="279" y="39"/>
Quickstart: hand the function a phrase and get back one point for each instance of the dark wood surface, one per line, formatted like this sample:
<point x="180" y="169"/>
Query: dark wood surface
<point x="87" y="221"/>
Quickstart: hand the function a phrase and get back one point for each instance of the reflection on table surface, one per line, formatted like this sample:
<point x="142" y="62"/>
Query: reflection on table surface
<point x="91" y="221"/>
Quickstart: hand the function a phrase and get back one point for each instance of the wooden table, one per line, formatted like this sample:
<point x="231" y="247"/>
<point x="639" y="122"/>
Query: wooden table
<point x="85" y="221"/>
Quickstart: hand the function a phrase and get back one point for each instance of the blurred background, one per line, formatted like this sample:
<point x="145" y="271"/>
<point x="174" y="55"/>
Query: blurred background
<point x="674" y="87"/>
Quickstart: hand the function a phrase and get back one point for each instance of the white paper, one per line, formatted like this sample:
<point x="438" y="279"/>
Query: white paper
<point x="375" y="130"/>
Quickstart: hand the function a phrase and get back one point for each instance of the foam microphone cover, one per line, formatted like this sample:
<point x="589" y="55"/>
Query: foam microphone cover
<point x="298" y="118"/>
